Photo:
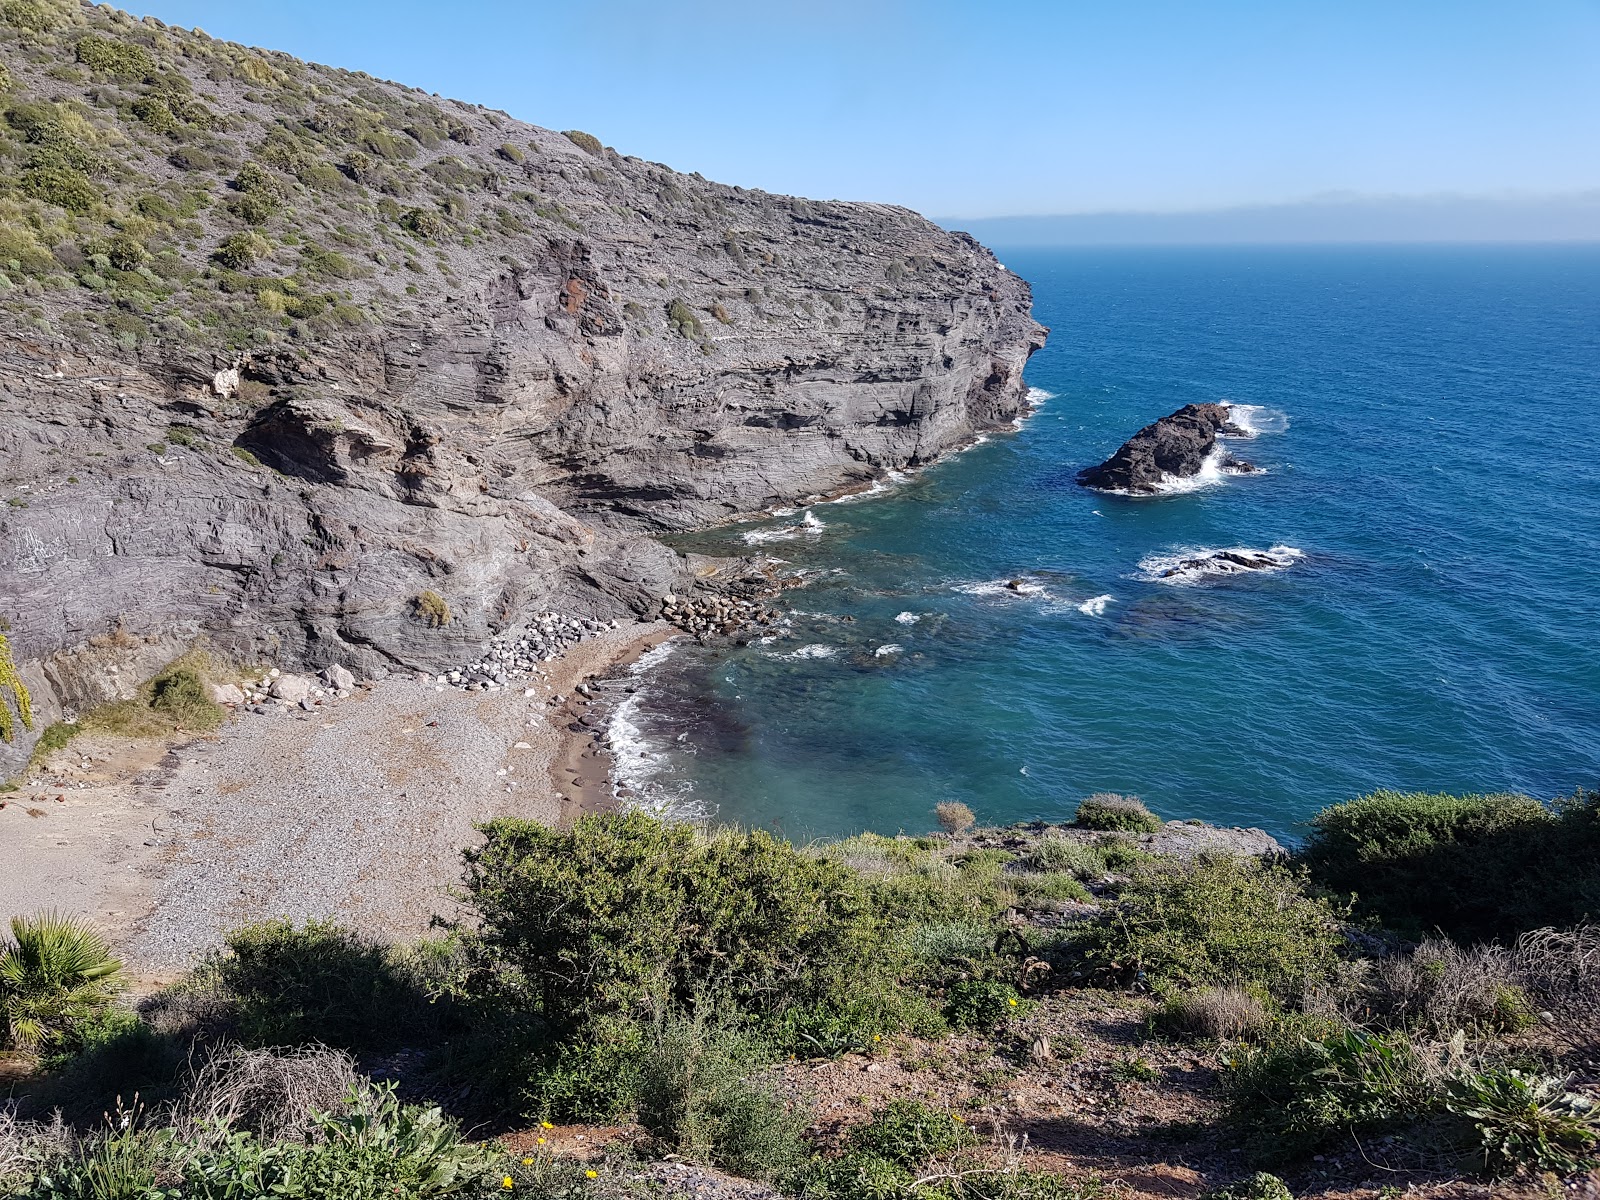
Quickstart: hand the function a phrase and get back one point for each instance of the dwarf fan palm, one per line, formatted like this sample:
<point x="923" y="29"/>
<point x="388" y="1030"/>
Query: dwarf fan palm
<point x="55" y="971"/>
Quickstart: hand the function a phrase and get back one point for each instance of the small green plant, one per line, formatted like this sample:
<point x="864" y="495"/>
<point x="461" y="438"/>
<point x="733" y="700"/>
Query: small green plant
<point x="512" y="154"/>
<point x="423" y="222"/>
<point x="1108" y="812"/>
<point x="181" y="693"/>
<point x="983" y="1004"/>
<point x="1528" y="1123"/>
<point x="1259" y="1186"/>
<point x="61" y="184"/>
<point x="431" y="609"/>
<point x="1134" y="1068"/>
<point x="954" y="817"/>
<point x="56" y="972"/>
<point x="908" y="1133"/>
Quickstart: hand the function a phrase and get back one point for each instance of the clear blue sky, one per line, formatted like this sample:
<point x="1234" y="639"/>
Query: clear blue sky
<point x="992" y="107"/>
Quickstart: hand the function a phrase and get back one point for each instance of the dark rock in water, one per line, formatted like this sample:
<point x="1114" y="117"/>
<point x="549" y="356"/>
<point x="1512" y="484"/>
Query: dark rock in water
<point x="1228" y="562"/>
<point x="1175" y="447"/>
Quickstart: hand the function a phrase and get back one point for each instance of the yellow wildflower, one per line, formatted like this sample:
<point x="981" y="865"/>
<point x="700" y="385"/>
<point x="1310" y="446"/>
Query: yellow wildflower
<point x="527" y="1162"/>
<point x="541" y="1141"/>
<point x="1012" y="1001"/>
<point x="506" y="1182"/>
<point x="546" y="1125"/>
<point x="592" y="1174"/>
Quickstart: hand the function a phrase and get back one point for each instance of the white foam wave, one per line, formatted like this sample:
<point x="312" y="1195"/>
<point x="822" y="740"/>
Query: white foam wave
<point x="809" y="526"/>
<point x="1256" y="419"/>
<point x="1096" y="607"/>
<point x="1002" y="587"/>
<point x="1195" y="564"/>
<point x="635" y="765"/>
<point x="1037" y="396"/>
<point x="886" y="650"/>
<point x="907" y="618"/>
<point x="815" y="650"/>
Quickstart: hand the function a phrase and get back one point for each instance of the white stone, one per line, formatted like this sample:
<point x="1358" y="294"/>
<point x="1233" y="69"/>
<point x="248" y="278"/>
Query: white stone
<point x="339" y="678"/>
<point x="226" y="383"/>
<point x="292" y="688"/>
<point x="226" y="693"/>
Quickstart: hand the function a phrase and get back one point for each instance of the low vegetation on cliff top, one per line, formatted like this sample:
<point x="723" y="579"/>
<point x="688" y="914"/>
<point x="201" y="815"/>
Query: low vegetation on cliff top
<point x="872" y="1018"/>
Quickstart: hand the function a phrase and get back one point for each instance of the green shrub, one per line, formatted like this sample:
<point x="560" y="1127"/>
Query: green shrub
<point x="1217" y="920"/>
<point x="114" y="1164"/>
<point x="56" y="973"/>
<point x="180" y="693"/>
<point x="832" y="1028"/>
<point x="510" y="153"/>
<point x="114" y="1054"/>
<point x="110" y="56"/>
<point x="683" y="321"/>
<point x="25" y="14"/>
<point x="983" y="1004"/>
<point x="1053" y="852"/>
<point x="586" y="142"/>
<point x="1475" y="867"/>
<point x="860" y="1176"/>
<point x="909" y="1133"/>
<point x="319" y="982"/>
<point x="1294" y="1095"/>
<point x="431" y="609"/>
<point x="1108" y="812"/>
<point x="700" y="1093"/>
<point x="55" y="737"/>
<point x="1259" y="1186"/>
<point x="62" y="185"/>
<point x="424" y="222"/>
<point x="590" y="1077"/>
<point x="1528" y="1123"/>
<point x="622" y="914"/>
<point x="242" y="250"/>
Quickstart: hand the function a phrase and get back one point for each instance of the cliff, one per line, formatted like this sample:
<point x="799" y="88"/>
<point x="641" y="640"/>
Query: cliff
<point x="286" y="347"/>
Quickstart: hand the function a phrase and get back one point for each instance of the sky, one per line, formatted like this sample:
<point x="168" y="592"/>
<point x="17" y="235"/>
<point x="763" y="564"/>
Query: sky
<point x="987" y="108"/>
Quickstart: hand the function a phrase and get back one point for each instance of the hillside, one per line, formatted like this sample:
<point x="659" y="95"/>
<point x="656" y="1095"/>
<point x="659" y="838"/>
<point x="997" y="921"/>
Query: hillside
<point x="287" y="347"/>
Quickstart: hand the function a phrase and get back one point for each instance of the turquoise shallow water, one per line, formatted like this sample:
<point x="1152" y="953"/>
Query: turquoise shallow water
<point x="1431" y="439"/>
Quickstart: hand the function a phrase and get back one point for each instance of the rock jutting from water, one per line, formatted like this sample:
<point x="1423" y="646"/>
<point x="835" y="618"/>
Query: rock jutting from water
<point x="1177" y="447"/>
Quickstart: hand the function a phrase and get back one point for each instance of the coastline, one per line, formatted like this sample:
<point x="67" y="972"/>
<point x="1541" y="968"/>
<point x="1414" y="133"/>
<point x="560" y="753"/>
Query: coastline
<point x="356" y="812"/>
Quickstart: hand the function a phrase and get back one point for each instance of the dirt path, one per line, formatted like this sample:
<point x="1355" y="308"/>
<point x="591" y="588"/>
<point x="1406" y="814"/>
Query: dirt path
<point x="355" y="812"/>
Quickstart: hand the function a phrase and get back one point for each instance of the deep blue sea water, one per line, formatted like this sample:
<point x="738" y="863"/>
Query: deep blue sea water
<point x="1432" y="450"/>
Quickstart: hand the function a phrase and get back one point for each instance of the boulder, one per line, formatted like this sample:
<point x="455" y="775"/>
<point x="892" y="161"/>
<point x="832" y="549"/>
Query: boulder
<point x="338" y="678"/>
<point x="292" y="688"/>
<point x="226" y="693"/>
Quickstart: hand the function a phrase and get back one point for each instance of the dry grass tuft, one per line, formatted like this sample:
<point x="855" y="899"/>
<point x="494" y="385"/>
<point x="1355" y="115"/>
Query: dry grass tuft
<point x="1213" y="1014"/>
<point x="1560" y="971"/>
<point x="954" y="817"/>
<point x="272" y="1093"/>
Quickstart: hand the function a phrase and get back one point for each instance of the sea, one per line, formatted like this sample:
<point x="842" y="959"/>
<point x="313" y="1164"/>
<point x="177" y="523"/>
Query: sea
<point x="1426" y="421"/>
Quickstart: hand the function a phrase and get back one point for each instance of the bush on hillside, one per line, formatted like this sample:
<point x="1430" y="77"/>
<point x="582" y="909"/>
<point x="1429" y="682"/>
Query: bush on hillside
<point x="700" y="1093"/>
<point x="625" y="915"/>
<point x="1217" y="920"/>
<point x="1441" y="987"/>
<point x="952" y="815"/>
<point x="288" y="985"/>
<point x="1110" y="813"/>
<point x="1474" y="867"/>
<point x="1294" y="1095"/>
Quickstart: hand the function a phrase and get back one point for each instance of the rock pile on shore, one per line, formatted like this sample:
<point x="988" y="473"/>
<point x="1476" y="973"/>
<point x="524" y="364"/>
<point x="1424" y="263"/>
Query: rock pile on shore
<point x="715" y="615"/>
<point x="548" y="636"/>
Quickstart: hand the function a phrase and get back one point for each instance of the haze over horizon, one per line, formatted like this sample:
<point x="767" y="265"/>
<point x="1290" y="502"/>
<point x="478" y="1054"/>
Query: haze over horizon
<point x="1474" y="114"/>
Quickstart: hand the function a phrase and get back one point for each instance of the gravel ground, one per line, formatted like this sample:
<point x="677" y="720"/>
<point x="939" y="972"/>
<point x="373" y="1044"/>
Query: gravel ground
<point x="355" y="812"/>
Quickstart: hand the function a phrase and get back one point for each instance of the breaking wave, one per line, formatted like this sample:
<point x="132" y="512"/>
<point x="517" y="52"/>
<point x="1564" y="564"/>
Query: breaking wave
<point x="1198" y="564"/>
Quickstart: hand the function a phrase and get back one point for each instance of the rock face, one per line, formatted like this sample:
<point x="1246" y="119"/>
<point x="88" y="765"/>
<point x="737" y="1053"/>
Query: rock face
<point x="470" y="370"/>
<point x="1175" y="447"/>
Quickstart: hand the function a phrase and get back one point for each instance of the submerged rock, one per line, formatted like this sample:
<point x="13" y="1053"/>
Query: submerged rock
<point x="1176" y="447"/>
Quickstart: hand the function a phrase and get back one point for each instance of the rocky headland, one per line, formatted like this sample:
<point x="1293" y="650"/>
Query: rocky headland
<point x="1177" y="447"/>
<point x="323" y="370"/>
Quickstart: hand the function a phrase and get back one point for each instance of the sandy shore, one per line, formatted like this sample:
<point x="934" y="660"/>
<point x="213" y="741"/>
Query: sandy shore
<point x="356" y="812"/>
